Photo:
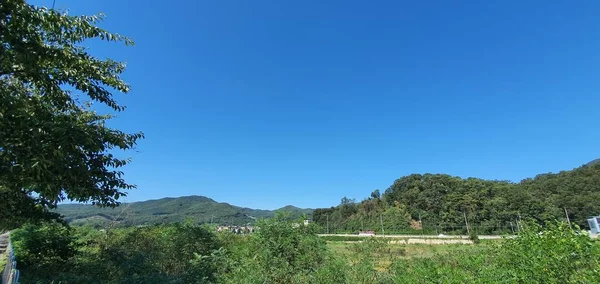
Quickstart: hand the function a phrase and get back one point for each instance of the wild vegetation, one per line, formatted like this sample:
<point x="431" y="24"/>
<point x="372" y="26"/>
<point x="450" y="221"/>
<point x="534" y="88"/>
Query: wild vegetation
<point x="283" y="251"/>
<point x="438" y="203"/>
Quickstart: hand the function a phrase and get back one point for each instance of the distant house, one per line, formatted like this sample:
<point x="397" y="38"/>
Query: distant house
<point x="366" y="233"/>
<point x="594" y="224"/>
<point x="236" y="229"/>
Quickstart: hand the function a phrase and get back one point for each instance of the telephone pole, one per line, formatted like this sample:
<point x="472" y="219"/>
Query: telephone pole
<point x="421" y="224"/>
<point x="328" y="224"/>
<point x="568" y="220"/>
<point x="467" y="223"/>
<point x="381" y="221"/>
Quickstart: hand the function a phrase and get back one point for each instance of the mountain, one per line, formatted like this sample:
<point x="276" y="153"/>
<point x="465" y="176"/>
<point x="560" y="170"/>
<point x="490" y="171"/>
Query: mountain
<point x="295" y="211"/>
<point x="200" y="209"/>
<point x="594" y="162"/>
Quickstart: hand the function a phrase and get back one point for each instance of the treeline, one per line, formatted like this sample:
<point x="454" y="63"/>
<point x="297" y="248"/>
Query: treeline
<point x="439" y="203"/>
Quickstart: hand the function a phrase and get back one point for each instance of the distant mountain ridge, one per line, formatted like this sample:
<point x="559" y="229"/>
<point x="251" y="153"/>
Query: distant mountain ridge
<point x="295" y="211"/>
<point x="594" y="162"/>
<point x="199" y="209"/>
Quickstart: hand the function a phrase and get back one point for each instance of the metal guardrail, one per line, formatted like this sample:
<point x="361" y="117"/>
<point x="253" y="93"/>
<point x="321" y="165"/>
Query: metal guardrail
<point x="10" y="274"/>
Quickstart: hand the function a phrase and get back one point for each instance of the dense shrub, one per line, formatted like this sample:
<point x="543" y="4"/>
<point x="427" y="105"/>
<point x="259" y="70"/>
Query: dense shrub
<point x="153" y="254"/>
<point x="44" y="251"/>
<point x="160" y="254"/>
<point x="281" y="251"/>
<point x="555" y="253"/>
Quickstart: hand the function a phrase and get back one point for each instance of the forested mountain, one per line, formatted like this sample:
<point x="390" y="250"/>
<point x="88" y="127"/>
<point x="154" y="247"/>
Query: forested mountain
<point x="596" y="161"/>
<point x="295" y="211"/>
<point x="169" y="210"/>
<point x="446" y="204"/>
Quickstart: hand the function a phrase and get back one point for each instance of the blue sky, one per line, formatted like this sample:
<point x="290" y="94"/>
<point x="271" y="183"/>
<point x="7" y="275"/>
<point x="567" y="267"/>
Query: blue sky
<point x="268" y="103"/>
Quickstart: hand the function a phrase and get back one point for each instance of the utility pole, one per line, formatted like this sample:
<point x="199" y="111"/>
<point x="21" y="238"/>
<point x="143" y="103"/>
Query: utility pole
<point x="421" y="224"/>
<point x="381" y="221"/>
<point x="328" y="224"/>
<point x="362" y="224"/>
<point x="466" y="223"/>
<point x="568" y="220"/>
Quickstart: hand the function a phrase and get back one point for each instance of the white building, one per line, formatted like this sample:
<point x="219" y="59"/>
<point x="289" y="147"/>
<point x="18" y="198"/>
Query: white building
<point x="594" y="224"/>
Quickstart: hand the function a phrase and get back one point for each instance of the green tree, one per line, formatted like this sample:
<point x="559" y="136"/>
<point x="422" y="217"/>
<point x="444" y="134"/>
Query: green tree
<point x="375" y="194"/>
<point x="53" y="145"/>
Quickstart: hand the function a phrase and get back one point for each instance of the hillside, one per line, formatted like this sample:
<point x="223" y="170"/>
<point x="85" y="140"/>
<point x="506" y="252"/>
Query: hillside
<point x="594" y="162"/>
<point x="295" y="211"/>
<point x="169" y="210"/>
<point x="443" y="202"/>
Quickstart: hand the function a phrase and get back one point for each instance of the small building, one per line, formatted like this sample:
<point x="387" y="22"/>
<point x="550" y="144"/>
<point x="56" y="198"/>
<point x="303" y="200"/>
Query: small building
<point x="366" y="233"/>
<point x="594" y="224"/>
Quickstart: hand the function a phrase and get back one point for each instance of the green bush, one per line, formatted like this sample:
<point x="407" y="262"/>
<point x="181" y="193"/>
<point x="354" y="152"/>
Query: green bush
<point x="555" y="253"/>
<point x="474" y="238"/>
<point x="44" y="251"/>
<point x="280" y="251"/>
<point x="161" y="253"/>
<point x="154" y="254"/>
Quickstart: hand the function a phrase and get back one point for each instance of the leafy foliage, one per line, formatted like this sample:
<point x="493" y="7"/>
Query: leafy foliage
<point x="442" y="202"/>
<point x="160" y="254"/>
<point x="181" y="253"/>
<point x="45" y="250"/>
<point x="552" y="254"/>
<point x="283" y="251"/>
<point x="53" y="146"/>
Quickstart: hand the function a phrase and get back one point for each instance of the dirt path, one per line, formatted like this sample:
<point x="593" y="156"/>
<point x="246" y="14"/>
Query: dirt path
<point x="423" y="241"/>
<point x="482" y="237"/>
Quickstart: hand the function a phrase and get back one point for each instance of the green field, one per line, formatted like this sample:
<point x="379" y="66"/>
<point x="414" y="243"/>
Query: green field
<point x="404" y="251"/>
<point x="385" y="252"/>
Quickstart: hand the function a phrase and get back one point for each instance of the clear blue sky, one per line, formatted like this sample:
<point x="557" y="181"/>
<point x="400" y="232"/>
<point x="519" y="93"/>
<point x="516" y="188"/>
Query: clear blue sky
<point x="268" y="103"/>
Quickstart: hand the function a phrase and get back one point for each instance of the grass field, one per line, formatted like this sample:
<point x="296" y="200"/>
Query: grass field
<point x="384" y="252"/>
